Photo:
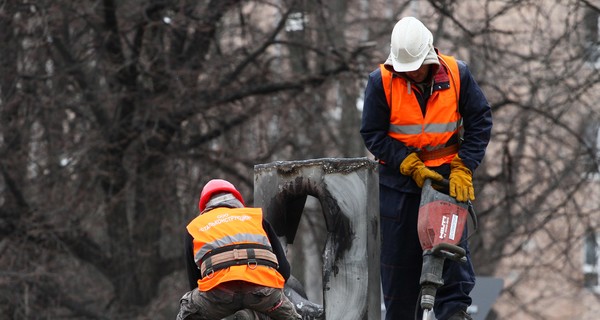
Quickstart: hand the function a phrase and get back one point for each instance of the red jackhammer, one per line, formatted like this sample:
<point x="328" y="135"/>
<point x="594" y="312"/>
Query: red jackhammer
<point x="441" y="223"/>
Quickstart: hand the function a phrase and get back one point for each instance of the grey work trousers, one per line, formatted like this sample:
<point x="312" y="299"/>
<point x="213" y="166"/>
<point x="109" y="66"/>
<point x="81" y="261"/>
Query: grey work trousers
<point x="229" y="297"/>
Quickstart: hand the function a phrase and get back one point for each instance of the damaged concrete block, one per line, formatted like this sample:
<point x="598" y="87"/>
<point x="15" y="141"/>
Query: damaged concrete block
<point x="348" y="191"/>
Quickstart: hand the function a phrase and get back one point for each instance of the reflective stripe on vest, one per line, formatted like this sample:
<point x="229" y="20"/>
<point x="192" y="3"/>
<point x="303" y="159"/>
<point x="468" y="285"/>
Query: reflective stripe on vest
<point x="441" y="121"/>
<point x="222" y="227"/>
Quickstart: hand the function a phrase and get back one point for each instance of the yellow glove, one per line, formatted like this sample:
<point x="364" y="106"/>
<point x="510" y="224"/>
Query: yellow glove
<point x="461" y="181"/>
<point x="414" y="167"/>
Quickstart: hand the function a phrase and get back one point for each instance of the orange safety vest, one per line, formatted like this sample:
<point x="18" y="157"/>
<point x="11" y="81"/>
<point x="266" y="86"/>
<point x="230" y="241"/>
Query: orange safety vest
<point x="442" y="118"/>
<point x="223" y="227"/>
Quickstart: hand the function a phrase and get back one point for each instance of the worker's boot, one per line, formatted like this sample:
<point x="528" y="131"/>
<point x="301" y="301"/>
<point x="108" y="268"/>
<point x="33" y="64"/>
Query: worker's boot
<point x="461" y="315"/>
<point x="244" y="314"/>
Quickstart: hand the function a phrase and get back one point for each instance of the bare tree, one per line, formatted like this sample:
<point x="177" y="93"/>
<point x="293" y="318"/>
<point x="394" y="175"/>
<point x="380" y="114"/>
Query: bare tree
<point x="114" y="113"/>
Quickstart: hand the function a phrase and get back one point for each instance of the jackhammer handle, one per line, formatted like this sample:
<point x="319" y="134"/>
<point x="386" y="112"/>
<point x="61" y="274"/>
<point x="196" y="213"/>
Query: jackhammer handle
<point x="442" y="186"/>
<point x="444" y="183"/>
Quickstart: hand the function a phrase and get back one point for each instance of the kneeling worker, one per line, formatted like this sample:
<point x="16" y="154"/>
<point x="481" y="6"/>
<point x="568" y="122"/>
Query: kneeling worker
<point x="235" y="263"/>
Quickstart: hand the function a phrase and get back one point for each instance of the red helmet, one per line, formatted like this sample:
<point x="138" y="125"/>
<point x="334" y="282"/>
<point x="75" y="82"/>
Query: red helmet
<point x="215" y="186"/>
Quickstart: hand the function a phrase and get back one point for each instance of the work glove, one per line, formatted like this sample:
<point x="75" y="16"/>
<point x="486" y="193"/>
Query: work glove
<point x="414" y="167"/>
<point x="461" y="181"/>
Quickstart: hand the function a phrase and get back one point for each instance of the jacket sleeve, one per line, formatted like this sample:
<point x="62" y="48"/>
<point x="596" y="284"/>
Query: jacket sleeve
<point x="375" y="125"/>
<point x="477" y="119"/>
<point x="193" y="272"/>
<point x="284" y="265"/>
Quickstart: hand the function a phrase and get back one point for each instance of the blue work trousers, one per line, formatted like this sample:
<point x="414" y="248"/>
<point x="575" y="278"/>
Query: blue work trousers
<point x="402" y="259"/>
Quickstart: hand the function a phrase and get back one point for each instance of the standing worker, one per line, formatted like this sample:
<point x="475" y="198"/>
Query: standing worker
<point x="424" y="116"/>
<point x="235" y="262"/>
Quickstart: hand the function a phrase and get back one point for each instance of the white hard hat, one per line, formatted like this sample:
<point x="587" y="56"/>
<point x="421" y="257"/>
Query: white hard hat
<point x="411" y="42"/>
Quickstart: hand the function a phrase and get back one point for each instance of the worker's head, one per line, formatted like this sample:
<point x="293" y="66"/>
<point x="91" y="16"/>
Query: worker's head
<point x="218" y="193"/>
<point x="411" y="45"/>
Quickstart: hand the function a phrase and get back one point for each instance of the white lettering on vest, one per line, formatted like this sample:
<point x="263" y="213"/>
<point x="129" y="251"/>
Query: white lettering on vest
<point x="224" y="218"/>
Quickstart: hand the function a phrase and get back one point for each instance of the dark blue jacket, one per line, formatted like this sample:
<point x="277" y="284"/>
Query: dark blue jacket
<point x="473" y="107"/>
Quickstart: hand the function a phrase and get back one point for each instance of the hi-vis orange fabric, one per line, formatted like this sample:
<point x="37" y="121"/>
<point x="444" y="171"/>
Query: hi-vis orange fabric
<point x="227" y="226"/>
<point x="407" y="123"/>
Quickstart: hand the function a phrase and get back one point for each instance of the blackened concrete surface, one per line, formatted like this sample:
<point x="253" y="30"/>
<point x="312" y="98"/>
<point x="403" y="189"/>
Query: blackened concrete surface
<point x="348" y="191"/>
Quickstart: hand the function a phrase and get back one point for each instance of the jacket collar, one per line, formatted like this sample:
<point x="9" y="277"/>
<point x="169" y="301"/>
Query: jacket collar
<point x="441" y="80"/>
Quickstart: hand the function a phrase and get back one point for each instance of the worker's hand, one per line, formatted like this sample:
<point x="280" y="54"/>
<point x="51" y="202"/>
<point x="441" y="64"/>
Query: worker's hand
<point x="461" y="181"/>
<point x="414" y="167"/>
